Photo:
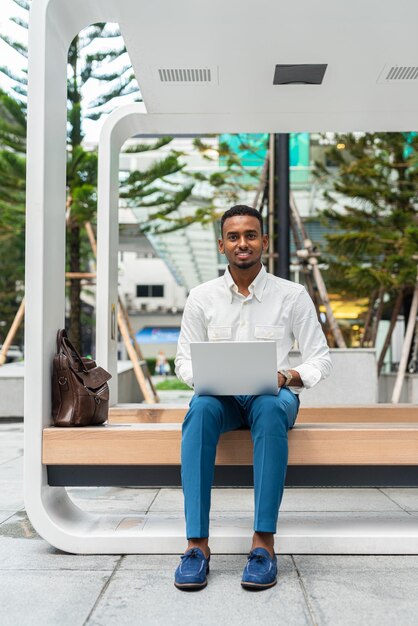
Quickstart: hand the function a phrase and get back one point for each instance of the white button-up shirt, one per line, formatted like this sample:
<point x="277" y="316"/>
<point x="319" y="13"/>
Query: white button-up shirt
<point x="275" y="310"/>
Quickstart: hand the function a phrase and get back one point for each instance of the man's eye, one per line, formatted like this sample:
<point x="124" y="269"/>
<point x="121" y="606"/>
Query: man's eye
<point x="251" y="236"/>
<point x="232" y="237"/>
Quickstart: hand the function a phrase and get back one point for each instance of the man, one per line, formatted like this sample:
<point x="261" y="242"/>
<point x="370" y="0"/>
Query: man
<point x="245" y="304"/>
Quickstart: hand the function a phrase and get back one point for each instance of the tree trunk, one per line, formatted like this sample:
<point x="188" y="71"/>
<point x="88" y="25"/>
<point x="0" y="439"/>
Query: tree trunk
<point x="377" y="317"/>
<point x="393" y="319"/>
<point x="75" y="287"/>
<point x="367" y="322"/>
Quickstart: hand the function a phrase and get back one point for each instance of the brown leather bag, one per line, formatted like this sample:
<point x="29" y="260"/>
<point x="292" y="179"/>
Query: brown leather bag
<point x="80" y="393"/>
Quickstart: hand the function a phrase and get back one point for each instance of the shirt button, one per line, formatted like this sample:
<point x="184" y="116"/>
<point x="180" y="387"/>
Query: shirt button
<point x="242" y="323"/>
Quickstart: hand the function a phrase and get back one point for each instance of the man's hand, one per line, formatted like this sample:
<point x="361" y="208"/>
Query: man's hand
<point x="295" y="382"/>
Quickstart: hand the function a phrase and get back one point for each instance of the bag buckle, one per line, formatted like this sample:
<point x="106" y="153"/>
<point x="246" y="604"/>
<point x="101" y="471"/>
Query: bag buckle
<point x="62" y="380"/>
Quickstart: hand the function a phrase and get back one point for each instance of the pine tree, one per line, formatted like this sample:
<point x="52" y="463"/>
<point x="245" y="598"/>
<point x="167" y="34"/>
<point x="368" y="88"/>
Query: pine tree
<point x="12" y="208"/>
<point x="85" y="64"/>
<point x="370" y="253"/>
<point x="162" y="188"/>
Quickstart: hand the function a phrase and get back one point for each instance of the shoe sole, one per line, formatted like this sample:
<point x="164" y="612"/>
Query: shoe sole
<point x="257" y="586"/>
<point x="191" y="586"/>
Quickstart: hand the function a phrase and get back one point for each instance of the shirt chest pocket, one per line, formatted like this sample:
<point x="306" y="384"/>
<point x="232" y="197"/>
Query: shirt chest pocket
<point x="219" y="333"/>
<point x="269" y="333"/>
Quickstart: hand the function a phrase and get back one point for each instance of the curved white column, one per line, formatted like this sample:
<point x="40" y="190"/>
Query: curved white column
<point x="52" y="26"/>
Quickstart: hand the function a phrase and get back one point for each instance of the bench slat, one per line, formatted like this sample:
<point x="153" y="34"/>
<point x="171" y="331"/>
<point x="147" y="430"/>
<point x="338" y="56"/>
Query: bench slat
<point x="363" y="444"/>
<point x="377" y="413"/>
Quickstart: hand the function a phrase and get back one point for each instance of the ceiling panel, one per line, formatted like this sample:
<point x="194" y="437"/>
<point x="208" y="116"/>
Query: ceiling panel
<point x="221" y="57"/>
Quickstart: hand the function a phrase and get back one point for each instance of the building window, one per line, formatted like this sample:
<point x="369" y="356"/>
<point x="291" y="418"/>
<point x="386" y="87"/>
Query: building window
<point x="150" y="291"/>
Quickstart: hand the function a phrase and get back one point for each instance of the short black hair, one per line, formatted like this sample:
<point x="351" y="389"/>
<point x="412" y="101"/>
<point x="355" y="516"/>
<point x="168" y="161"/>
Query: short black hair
<point x="241" y="209"/>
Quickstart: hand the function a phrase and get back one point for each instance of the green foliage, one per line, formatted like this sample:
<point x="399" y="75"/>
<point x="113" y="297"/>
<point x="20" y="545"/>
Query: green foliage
<point x="162" y="190"/>
<point x="84" y="65"/>
<point x="233" y="178"/>
<point x="172" y="384"/>
<point x="12" y="209"/>
<point x="376" y="233"/>
<point x="167" y="186"/>
<point x="82" y="185"/>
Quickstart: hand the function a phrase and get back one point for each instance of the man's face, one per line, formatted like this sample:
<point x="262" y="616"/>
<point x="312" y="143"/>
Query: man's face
<point x="242" y="241"/>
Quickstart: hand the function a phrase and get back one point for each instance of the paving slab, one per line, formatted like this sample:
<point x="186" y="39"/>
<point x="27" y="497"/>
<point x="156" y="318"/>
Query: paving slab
<point x="108" y="499"/>
<point x="12" y="470"/>
<point x="6" y="456"/>
<point x="49" y="598"/>
<point x="219" y="562"/>
<point x="222" y="500"/>
<point x="148" y="597"/>
<point x="294" y="499"/>
<point x="11" y="485"/>
<point x="288" y="517"/>
<point x="336" y="499"/>
<point x="353" y="590"/>
<point x="37" y="555"/>
<point x="169" y="562"/>
<point x="10" y="451"/>
<point x="298" y="533"/>
<point x="11" y="443"/>
<point x="5" y="515"/>
<point x="11" y="429"/>
<point x="11" y="496"/>
<point x="22" y="548"/>
<point x="155" y="562"/>
<point x="18" y="526"/>
<point x="406" y="498"/>
<point x="11" y="437"/>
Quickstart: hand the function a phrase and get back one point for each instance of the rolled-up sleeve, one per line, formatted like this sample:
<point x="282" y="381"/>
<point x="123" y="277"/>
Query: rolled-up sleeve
<point x="193" y="328"/>
<point x="316" y="361"/>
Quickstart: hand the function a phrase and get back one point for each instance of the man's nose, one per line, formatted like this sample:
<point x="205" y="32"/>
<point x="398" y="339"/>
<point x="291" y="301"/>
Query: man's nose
<point x="242" y="242"/>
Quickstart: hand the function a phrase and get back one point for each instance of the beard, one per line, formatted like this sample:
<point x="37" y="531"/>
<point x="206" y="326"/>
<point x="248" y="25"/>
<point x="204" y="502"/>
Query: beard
<point x="245" y="265"/>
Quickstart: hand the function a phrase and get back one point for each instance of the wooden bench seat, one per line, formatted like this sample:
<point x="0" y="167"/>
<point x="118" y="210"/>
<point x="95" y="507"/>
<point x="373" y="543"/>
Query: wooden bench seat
<point x="151" y="436"/>
<point x="332" y="446"/>
<point x="376" y="413"/>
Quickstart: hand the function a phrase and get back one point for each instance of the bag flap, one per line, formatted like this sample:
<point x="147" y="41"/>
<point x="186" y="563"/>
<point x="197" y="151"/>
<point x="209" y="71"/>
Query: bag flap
<point x="89" y="364"/>
<point x="94" y="378"/>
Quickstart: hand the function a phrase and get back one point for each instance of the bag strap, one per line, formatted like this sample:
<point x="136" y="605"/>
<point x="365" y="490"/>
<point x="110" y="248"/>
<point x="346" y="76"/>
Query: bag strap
<point x="60" y="336"/>
<point x="64" y="345"/>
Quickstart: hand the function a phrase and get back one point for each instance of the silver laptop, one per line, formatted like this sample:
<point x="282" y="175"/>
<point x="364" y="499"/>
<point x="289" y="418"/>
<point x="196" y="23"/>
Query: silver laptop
<point x="234" y="368"/>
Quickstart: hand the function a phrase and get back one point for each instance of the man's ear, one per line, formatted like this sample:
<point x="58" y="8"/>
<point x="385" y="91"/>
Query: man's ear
<point x="265" y="242"/>
<point x="221" y="246"/>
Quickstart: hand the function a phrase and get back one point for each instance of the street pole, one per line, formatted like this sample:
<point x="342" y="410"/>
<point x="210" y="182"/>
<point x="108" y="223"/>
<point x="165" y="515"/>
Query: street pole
<point x="281" y="205"/>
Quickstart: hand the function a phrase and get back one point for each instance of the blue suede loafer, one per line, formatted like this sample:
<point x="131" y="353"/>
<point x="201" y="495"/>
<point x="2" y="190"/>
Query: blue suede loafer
<point x="193" y="570"/>
<point x="260" y="571"/>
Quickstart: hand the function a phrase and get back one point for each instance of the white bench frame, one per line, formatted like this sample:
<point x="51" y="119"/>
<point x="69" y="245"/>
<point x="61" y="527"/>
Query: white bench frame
<point x="53" y="25"/>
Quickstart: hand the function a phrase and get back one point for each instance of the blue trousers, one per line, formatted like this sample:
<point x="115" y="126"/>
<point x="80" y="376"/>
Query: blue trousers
<point x="269" y="419"/>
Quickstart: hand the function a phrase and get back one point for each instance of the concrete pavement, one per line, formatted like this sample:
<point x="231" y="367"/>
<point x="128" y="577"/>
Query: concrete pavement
<point x="41" y="585"/>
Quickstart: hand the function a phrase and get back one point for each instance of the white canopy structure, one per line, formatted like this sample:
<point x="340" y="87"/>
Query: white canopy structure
<point x="202" y="68"/>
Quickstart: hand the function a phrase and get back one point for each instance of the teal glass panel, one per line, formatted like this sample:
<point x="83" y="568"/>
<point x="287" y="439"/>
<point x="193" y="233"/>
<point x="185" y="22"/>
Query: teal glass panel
<point x="251" y="148"/>
<point x="299" y="159"/>
<point x="299" y="150"/>
<point x="408" y="150"/>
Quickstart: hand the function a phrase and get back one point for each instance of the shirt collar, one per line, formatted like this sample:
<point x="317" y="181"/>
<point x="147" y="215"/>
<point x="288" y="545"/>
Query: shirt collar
<point x="256" y="287"/>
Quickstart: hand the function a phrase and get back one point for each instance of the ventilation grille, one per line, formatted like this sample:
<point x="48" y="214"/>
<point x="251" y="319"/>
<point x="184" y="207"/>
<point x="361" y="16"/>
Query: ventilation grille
<point x="188" y="75"/>
<point x="401" y="72"/>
